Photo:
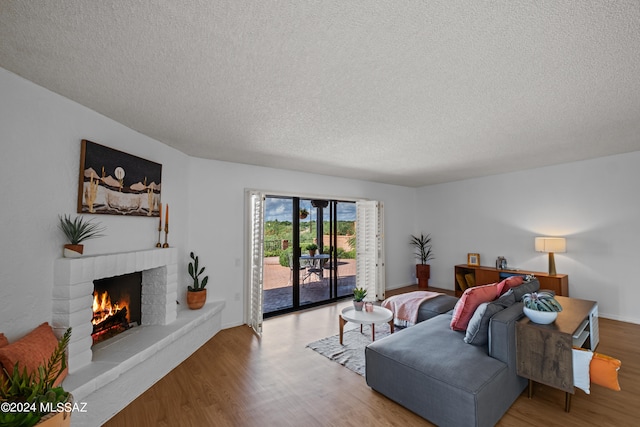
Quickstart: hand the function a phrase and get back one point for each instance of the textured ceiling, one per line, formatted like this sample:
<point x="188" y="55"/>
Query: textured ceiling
<point x="402" y="92"/>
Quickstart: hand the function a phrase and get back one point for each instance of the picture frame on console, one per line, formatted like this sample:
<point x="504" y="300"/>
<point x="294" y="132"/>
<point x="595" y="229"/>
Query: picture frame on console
<point x="113" y="182"/>
<point x="473" y="259"/>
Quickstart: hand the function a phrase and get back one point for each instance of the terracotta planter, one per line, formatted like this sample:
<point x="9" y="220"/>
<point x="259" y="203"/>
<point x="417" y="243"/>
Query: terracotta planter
<point x="196" y="299"/>
<point x="57" y="419"/>
<point x="423" y="272"/>
<point x="72" y="251"/>
<point x="358" y="305"/>
<point x="312" y="252"/>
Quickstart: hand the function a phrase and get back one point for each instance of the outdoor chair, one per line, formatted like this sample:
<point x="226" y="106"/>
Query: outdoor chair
<point x="329" y="265"/>
<point x="291" y="267"/>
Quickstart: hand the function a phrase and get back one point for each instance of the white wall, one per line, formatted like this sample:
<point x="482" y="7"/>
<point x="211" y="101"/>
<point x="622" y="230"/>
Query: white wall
<point x="593" y="203"/>
<point x="217" y="213"/>
<point x="40" y="134"/>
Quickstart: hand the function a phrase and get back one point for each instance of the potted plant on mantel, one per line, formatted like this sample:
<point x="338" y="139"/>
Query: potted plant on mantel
<point x="423" y="253"/>
<point x="33" y="398"/>
<point x="196" y="293"/>
<point x="77" y="231"/>
<point x="358" y="298"/>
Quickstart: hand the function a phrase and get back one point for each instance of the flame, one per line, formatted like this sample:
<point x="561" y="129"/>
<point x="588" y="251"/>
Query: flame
<point x="103" y="308"/>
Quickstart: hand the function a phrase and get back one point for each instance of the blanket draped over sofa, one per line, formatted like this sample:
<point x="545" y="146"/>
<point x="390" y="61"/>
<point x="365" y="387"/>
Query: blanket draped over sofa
<point x="405" y="307"/>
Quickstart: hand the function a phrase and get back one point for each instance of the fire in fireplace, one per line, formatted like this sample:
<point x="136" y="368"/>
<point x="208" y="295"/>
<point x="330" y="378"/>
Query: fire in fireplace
<point x="116" y="305"/>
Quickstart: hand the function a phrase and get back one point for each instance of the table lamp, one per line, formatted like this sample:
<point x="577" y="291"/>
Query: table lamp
<point x="551" y="245"/>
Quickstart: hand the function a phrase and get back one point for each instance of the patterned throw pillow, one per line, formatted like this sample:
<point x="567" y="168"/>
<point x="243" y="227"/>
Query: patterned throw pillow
<point x="31" y="351"/>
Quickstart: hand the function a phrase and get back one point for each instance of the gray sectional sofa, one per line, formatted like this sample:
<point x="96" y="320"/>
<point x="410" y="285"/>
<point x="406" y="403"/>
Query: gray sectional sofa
<point x="430" y="369"/>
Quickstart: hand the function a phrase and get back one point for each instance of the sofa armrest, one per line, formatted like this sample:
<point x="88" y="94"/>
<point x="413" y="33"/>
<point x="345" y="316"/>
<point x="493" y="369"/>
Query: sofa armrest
<point x="502" y="334"/>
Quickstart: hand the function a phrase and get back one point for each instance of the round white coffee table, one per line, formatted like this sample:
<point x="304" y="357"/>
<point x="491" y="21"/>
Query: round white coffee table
<point x="378" y="315"/>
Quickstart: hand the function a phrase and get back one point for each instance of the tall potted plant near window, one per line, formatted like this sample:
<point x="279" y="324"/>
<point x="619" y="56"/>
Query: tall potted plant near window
<point x="423" y="253"/>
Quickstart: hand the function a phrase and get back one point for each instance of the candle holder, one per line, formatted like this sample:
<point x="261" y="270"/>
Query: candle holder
<point x="166" y="232"/>
<point x="159" y="245"/>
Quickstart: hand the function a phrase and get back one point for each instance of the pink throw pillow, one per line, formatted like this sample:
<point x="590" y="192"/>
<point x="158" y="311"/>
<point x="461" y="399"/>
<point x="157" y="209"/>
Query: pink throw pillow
<point x="470" y="300"/>
<point x="511" y="282"/>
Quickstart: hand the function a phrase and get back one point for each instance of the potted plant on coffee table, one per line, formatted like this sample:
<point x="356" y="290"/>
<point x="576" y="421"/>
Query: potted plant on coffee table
<point x="33" y="398"/>
<point x="541" y="307"/>
<point x="196" y="293"/>
<point x="358" y="298"/>
<point x="78" y="230"/>
<point x="423" y="253"/>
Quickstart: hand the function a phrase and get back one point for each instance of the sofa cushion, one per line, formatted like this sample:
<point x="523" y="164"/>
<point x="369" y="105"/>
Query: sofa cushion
<point x="525" y="288"/>
<point x="436" y="306"/>
<point x="470" y="300"/>
<point x="478" y="328"/>
<point x="430" y="370"/>
<point x="451" y="361"/>
<point x="32" y="350"/>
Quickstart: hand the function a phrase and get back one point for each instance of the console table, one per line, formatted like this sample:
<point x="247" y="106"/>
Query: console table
<point x="544" y="352"/>
<point x="479" y="275"/>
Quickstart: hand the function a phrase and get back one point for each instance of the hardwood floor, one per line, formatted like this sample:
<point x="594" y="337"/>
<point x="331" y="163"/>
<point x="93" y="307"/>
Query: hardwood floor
<point x="235" y="379"/>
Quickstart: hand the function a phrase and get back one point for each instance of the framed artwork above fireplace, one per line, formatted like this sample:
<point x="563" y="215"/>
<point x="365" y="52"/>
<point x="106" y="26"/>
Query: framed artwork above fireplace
<point x="116" y="183"/>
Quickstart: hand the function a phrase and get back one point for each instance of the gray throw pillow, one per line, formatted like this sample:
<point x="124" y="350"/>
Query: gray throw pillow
<point x="478" y="329"/>
<point x="525" y="288"/>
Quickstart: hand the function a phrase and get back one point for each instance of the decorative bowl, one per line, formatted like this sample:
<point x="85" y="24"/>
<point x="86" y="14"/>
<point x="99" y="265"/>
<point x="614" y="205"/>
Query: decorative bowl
<point x="540" y="317"/>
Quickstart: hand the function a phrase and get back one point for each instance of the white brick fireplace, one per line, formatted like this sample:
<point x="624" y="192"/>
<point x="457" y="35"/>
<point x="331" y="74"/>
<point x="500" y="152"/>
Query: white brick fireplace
<point x="73" y="288"/>
<point x="114" y="372"/>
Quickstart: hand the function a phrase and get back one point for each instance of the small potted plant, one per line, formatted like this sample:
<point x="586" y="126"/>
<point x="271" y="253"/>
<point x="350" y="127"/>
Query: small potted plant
<point x="196" y="293"/>
<point x="541" y="307"/>
<point x="423" y="253"/>
<point x="303" y="213"/>
<point x="312" y="248"/>
<point x="40" y="401"/>
<point x="78" y="230"/>
<point x="358" y="298"/>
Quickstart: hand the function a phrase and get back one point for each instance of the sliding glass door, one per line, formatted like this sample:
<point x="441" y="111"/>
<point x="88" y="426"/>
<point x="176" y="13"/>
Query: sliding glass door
<point x="309" y="252"/>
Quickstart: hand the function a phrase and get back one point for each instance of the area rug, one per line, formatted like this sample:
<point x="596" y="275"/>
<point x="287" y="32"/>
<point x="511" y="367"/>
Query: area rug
<point x="351" y="354"/>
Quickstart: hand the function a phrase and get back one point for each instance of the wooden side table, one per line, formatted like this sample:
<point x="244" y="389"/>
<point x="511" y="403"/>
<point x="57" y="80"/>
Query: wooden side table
<point x="544" y="352"/>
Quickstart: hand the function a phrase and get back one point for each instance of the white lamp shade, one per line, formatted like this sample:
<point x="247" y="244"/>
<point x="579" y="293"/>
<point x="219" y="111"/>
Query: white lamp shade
<point x="551" y="244"/>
